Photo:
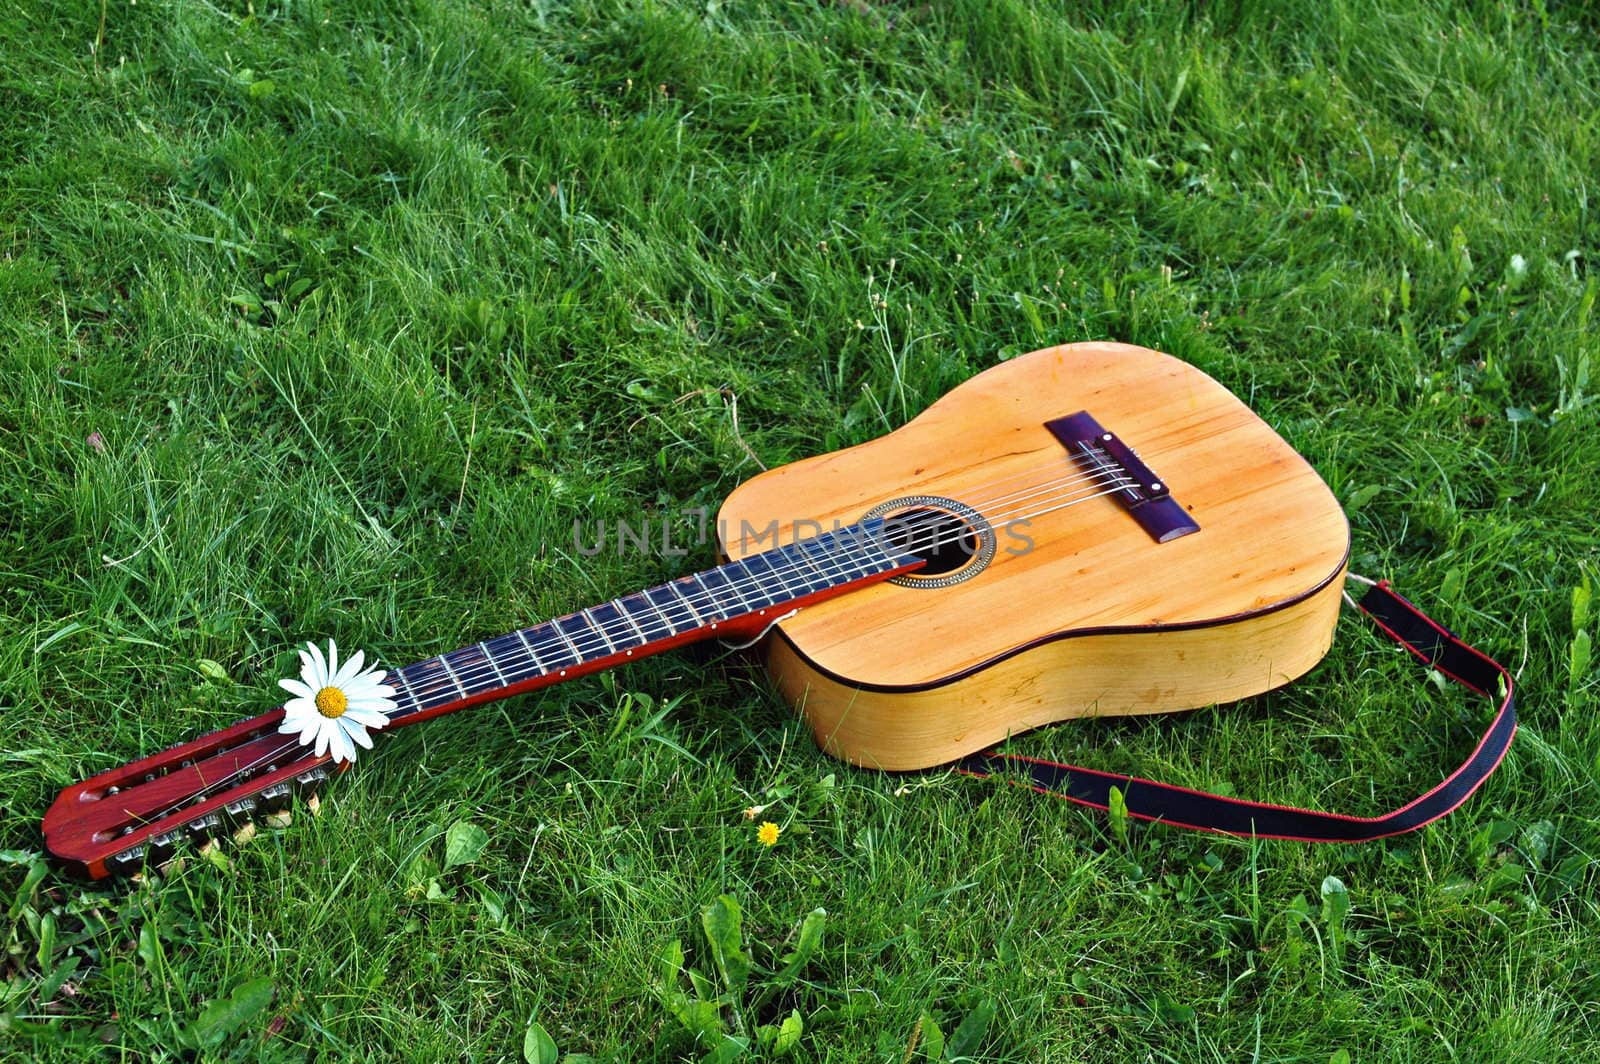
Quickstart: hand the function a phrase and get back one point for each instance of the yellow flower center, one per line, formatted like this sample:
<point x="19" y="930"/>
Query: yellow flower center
<point x="768" y="833"/>
<point x="331" y="702"/>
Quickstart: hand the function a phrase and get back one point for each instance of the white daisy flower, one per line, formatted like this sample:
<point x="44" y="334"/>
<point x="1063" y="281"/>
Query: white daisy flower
<point x="335" y="706"/>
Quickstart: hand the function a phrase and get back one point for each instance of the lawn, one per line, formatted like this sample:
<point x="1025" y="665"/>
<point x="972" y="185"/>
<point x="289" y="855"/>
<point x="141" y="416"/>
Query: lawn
<point x="329" y="318"/>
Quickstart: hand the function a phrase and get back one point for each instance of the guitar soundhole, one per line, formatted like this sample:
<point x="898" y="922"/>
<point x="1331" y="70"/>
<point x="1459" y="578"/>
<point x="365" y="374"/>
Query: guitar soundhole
<point x="946" y="541"/>
<point x="953" y="538"/>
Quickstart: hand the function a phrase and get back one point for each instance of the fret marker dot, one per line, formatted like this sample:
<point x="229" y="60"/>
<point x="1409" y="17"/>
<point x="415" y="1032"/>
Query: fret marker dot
<point x="630" y="653"/>
<point x="563" y="672"/>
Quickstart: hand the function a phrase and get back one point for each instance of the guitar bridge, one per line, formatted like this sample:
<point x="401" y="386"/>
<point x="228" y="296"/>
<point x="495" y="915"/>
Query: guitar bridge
<point x="1126" y="478"/>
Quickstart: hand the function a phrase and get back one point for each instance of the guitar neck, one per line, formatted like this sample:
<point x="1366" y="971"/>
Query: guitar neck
<point x="739" y="599"/>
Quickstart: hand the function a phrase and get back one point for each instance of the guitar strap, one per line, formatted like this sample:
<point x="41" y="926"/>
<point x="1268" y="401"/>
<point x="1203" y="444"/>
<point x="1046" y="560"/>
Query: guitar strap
<point x="1426" y="640"/>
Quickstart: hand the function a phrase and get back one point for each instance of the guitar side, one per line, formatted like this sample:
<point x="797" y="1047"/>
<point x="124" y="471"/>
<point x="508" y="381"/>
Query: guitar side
<point x="1094" y="617"/>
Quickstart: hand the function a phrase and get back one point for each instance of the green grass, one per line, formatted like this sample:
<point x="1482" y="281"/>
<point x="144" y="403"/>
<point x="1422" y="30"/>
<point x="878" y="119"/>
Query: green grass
<point x="328" y="318"/>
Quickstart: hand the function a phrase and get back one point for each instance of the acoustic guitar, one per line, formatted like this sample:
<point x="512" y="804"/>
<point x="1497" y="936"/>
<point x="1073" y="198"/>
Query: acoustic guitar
<point x="1087" y="530"/>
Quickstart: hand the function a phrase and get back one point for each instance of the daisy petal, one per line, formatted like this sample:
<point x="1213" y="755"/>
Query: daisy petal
<point x="340" y="746"/>
<point x="356" y="686"/>
<point x="369" y="718"/>
<point x="295" y="687"/>
<point x="356" y="732"/>
<point x="300" y="706"/>
<point x="323" y="735"/>
<point x="348" y="671"/>
<point x="288" y="727"/>
<point x="319" y="667"/>
<point x="364" y="698"/>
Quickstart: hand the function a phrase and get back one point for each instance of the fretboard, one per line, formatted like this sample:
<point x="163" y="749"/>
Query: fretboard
<point x="636" y="625"/>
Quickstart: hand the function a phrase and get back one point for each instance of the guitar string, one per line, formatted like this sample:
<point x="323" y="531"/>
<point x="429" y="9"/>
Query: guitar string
<point x="586" y="644"/>
<point x="1073" y="478"/>
<point x="703" y="596"/>
<point x="459" y="677"/>
<point x="419" y="704"/>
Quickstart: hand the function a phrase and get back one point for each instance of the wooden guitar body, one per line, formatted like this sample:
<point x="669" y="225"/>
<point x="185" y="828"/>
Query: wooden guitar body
<point x="1078" y="611"/>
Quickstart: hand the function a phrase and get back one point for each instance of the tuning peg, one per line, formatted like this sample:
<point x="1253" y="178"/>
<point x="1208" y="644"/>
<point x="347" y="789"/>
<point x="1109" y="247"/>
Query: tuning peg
<point x="275" y="799"/>
<point x="129" y="861"/>
<point x="205" y="828"/>
<point x="160" y="848"/>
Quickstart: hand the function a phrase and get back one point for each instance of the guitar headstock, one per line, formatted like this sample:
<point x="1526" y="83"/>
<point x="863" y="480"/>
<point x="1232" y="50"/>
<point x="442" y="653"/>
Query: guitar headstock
<point x="119" y="821"/>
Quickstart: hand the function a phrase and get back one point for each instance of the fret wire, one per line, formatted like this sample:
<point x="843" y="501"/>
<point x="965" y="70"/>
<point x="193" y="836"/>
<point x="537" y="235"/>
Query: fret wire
<point x="616" y="604"/>
<point x="399" y="675"/>
<point x="772" y="570"/>
<point x="533" y="655"/>
<point x="846" y="565"/>
<point x="599" y="630"/>
<point x="835" y="566"/>
<point x="861" y="540"/>
<point x="604" y="617"/>
<point x="511" y="662"/>
<point x="644" y="619"/>
<point x="671" y="631"/>
<point x="732" y="585"/>
<point x="452" y="673"/>
<point x="428" y="687"/>
<point x="577" y="658"/>
<point x="701" y="621"/>
<point x="805" y="557"/>
<point x="494" y="665"/>
<point x="825" y="577"/>
<point x="762" y="588"/>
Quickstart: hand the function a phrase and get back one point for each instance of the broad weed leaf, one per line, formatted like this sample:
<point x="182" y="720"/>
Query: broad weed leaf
<point x="537" y="1045"/>
<point x="226" y="1015"/>
<point x="731" y="1048"/>
<point x="969" y="1034"/>
<point x="789" y="1033"/>
<point x="810" y="941"/>
<point x="463" y="843"/>
<point x="723" y="924"/>
<point x="932" y="1038"/>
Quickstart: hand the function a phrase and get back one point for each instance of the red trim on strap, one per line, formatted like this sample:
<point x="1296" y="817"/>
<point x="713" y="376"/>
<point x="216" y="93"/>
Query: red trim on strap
<point x="1400" y="620"/>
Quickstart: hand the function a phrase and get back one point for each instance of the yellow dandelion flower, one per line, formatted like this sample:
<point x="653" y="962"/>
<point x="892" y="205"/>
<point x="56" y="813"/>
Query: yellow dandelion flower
<point x="767" y="834"/>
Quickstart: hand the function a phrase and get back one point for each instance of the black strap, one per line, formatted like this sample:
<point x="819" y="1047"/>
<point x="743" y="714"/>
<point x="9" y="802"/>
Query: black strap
<point x="1401" y="621"/>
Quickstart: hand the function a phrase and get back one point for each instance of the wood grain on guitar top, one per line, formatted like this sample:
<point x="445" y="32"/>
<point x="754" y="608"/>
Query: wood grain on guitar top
<point x="1094" y="618"/>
